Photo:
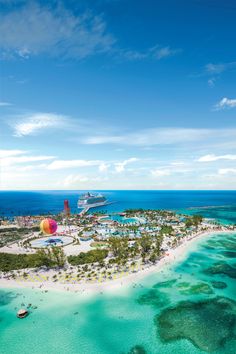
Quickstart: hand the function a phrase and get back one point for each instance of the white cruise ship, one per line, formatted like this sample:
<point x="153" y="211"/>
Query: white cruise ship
<point x="89" y="200"/>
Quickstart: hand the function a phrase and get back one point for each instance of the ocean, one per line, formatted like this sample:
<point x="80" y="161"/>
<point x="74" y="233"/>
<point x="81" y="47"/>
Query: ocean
<point x="188" y="307"/>
<point x="220" y="204"/>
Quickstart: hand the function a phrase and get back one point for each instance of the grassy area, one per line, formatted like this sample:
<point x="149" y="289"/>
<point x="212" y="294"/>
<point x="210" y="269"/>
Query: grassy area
<point x="99" y="244"/>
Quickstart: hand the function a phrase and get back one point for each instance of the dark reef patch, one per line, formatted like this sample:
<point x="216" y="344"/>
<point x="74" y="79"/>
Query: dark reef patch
<point x="229" y="254"/>
<point x="6" y="297"/>
<point x="154" y="298"/>
<point x="218" y="284"/>
<point x="208" y="324"/>
<point x="208" y="247"/>
<point x="221" y="268"/>
<point x="137" y="349"/>
<point x="228" y="243"/>
<point x="195" y="289"/>
<point x="165" y="284"/>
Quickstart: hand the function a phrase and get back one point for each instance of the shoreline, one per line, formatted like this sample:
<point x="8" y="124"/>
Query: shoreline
<point x="120" y="284"/>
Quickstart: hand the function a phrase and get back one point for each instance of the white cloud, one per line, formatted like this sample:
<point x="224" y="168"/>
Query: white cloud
<point x="78" y="181"/>
<point x="219" y="68"/>
<point x="62" y="164"/>
<point x="103" y="167"/>
<point x="161" y="136"/>
<point x="157" y="52"/>
<point x="4" y="104"/>
<point x="12" y="160"/>
<point x="74" y="179"/>
<point x="160" y="173"/>
<point x="177" y="163"/>
<point x="8" y="153"/>
<point x="224" y="171"/>
<point x="225" y="103"/>
<point x="32" y="124"/>
<point x="34" y="167"/>
<point x="212" y="157"/>
<point x="169" y="170"/>
<point x="102" y="139"/>
<point x="33" y="29"/>
<point x="120" y="166"/>
<point x="164" y="52"/>
<point x="211" y="82"/>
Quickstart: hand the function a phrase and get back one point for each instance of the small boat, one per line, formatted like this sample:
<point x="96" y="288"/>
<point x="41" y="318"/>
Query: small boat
<point x="22" y="313"/>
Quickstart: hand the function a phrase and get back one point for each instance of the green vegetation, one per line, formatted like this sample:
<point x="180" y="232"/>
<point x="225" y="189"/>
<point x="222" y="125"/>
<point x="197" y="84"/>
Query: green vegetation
<point x="99" y="244"/>
<point x="92" y="256"/>
<point x="53" y="257"/>
<point x="195" y="220"/>
<point x="130" y="212"/>
<point x="145" y="243"/>
<point x="12" y="234"/>
<point x="166" y="230"/>
<point x="148" y="247"/>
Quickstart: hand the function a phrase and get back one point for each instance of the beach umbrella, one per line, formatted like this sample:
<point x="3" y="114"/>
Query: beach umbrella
<point x="48" y="226"/>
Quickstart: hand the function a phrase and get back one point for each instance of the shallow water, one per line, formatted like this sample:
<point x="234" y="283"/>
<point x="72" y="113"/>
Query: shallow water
<point x="188" y="307"/>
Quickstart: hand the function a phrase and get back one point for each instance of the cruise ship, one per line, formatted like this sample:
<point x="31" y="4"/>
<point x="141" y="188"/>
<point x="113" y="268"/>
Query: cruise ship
<point x="89" y="200"/>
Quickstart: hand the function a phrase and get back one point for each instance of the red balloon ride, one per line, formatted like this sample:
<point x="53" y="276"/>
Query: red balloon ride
<point x="48" y="226"/>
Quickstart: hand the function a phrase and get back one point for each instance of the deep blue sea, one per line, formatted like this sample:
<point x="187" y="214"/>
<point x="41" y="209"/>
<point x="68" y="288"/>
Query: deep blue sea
<point x="212" y="204"/>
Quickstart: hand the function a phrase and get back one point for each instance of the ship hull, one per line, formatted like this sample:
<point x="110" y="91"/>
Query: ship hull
<point x="94" y="205"/>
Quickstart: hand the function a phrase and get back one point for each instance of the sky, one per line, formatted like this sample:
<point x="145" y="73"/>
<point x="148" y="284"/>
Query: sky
<point x="117" y="94"/>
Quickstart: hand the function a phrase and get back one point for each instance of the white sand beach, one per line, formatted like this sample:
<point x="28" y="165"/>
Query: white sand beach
<point x="122" y="281"/>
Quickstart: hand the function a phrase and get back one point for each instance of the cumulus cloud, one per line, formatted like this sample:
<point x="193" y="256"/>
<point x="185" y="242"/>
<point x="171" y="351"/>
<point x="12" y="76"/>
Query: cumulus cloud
<point x="225" y="103"/>
<point x="103" y="167"/>
<point x="74" y="179"/>
<point x="34" y="123"/>
<point x="120" y="166"/>
<point x="34" y="29"/>
<point x="212" y="157"/>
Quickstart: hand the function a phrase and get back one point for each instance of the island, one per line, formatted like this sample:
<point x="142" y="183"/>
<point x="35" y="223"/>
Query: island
<point x="92" y="249"/>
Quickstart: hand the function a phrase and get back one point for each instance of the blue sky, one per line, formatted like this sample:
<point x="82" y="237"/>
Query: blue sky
<point x="118" y="94"/>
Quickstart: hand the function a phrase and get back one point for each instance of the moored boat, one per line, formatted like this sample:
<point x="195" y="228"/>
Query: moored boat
<point x="22" y="313"/>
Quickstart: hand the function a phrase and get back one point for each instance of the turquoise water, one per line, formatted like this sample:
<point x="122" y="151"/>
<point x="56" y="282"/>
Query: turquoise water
<point x="43" y="202"/>
<point x="122" y="219"/>
<point x="224" y="214"/>
<point x="189" y="307"/>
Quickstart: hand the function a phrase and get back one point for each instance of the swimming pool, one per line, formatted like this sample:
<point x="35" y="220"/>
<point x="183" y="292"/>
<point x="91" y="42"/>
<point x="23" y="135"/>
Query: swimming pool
<point x="51" y="241"/>
<point x="124" y="220"/>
